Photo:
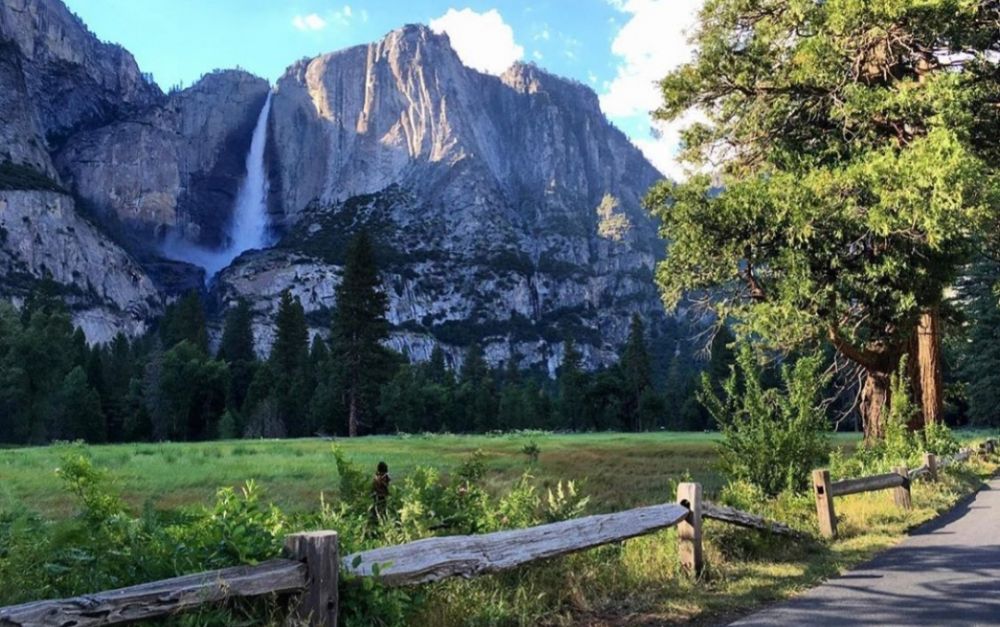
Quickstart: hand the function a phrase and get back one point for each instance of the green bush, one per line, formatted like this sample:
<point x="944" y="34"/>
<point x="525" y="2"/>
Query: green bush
<point x="771" y="437"/>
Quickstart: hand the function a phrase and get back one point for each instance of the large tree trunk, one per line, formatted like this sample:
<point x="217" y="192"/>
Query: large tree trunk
<point x="874" y="407"/>
<point x="925" y="369"/>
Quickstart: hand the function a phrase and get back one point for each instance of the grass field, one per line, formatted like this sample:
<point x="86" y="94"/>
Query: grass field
<point x="635" y="582"/>
<point x="616" y="470"/>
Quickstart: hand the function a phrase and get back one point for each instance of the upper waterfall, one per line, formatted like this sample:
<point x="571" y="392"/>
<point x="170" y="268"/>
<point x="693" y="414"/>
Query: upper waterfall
<point x="248" y="227"/>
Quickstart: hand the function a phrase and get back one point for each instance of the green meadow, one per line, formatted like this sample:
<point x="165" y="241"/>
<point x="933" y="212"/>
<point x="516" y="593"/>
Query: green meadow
<point x="616" y="470"/>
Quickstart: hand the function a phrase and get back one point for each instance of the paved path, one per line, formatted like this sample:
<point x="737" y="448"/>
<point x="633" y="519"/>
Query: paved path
<point x="945" y="573"/>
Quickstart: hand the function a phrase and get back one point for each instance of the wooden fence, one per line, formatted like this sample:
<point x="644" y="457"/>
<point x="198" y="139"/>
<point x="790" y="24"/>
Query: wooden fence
<point x="898" y="481"/>
<point x="311" y="566"/>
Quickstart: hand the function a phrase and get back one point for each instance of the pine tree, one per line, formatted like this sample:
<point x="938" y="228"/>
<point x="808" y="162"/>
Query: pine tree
<point x="185" y="320"/>
<point x="237" y="342"/>
<point x="119" y="371"/>
<point x="359" y="327"/>
<point x="237" y="350"/>
<point x="79" y="414"/>
<point x="511" y="410"/>
<point x="477" y="394"/>
<point x="289" y="363"/>
<point x="572" y="388"/>
<point x="192" y="392"/>
<point x="437" y="369"/>
<point x="637" y="376"/>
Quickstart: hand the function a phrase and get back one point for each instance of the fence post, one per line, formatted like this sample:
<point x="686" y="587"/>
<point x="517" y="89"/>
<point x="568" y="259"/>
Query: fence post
<point x="824" y="504"/>
<point x="689" y="530"/>
<point x="319" y="550"/>
<point x="930" y="460"/>
<point x="901" y="494"/>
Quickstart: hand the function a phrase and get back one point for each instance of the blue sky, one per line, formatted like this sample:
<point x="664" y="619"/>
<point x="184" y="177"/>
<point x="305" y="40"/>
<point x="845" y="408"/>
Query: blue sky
<point x="618" y="47"/>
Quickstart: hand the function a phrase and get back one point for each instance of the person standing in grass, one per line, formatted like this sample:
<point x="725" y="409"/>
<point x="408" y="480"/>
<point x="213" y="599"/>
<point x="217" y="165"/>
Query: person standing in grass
<point x="380" y="491"/>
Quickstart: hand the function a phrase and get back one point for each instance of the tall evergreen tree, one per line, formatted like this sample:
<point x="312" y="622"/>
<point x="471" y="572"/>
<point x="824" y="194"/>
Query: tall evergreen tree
<point x="237" y="350"/>
<point x="78" y="409"/>
<point x="477" y="394"/>
<point x="437" y="369"/>
<point x="572" y="387"/>
<point x="290" y="363"/>
<point x="637" y="375"/>
<point x="185" y="320"/>
<point x="359" y="327"/>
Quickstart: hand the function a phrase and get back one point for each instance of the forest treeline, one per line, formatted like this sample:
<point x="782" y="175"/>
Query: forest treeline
<point x="170" y="384"/>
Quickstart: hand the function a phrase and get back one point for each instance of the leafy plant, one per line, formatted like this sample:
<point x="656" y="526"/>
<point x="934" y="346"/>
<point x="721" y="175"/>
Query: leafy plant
<point x="532" y="451"/>
<point x="771" y="437"/>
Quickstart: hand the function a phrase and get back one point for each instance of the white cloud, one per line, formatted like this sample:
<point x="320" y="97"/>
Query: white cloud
<point x="663" y="143"/>
<point x="343" y="15"/>
<point x="538" y="55"/>
<point x="652" y="42"/>
<point x="482" y="40"/>
<point x="308" y="22"/>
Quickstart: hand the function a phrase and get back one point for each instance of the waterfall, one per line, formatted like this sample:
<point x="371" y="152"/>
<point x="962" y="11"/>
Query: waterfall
<point x="248" y="228"/>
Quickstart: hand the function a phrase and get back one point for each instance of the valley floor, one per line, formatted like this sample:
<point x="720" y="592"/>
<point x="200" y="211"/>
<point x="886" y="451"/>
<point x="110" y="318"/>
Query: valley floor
<point x="618" y="470"/>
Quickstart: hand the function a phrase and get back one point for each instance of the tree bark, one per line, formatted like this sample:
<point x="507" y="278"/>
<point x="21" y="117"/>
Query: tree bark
<point x="874" y="407"/>
<point x="925" y="369"/>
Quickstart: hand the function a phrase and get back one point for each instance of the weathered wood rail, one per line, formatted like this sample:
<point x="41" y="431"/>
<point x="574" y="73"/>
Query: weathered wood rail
<point x="312" y="565"/>
<point x="898" y="481"/>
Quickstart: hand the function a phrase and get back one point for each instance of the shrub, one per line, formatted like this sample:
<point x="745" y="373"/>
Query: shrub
<point x="532" y="451"/>
<point x="771" y="438"/>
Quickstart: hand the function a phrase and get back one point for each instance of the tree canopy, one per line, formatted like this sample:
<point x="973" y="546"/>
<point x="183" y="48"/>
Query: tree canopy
<point x="841" y="176"/>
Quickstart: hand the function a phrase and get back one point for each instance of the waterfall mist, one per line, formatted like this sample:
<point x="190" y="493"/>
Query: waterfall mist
<point x="248" y="228"/>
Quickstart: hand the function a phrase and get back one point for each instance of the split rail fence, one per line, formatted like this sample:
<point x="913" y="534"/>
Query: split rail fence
<point x="898" y="481"/>
<point x="311" y="566"/>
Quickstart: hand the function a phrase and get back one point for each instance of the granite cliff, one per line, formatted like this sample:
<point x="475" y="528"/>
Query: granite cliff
<point x="506" y="208"/>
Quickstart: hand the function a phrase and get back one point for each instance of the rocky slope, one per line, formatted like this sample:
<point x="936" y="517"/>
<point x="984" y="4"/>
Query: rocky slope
<point x="43" y="237"/>
<point x="507" y="208"/>
<point x="64" y="79"/>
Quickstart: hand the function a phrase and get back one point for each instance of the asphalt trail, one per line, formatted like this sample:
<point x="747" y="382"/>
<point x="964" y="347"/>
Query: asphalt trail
<point x="946" y="573"/>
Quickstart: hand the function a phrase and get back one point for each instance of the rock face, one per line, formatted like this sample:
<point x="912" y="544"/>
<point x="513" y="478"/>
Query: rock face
<point x="43" y="236"/>
<point x="74" y="81"/>
<point x="507" y="208"/>
<point x="177" y="165"/>
<point x="57" y="80"/>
